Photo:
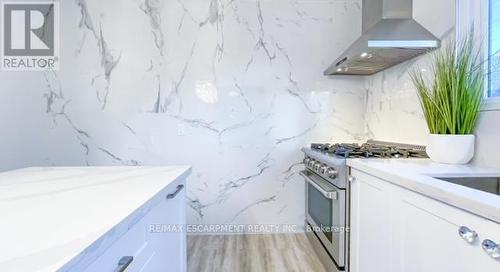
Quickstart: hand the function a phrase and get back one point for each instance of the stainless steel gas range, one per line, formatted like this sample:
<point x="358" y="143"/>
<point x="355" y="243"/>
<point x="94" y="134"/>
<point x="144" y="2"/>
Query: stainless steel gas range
<point x="328" y="190"/>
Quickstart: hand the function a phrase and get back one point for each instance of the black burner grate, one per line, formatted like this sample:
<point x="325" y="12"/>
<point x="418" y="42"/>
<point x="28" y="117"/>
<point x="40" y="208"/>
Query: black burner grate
<point x="372" y="149"/>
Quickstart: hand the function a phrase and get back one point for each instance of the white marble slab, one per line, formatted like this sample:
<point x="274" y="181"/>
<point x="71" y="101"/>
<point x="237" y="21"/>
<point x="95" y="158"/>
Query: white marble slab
<point x="417" y="175"/>
<point x="52" y="215"/>
<point x="233" y="88"/>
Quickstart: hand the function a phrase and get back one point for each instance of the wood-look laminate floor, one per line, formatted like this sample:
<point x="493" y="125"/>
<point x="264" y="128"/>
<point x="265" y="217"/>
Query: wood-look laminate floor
<point x="252" y="253"/>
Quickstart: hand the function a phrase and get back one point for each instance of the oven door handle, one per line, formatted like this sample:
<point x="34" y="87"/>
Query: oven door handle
<point x="328" y="194"/>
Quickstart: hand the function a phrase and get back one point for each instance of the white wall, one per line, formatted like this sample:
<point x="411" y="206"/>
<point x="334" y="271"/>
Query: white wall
<point x="240" y="80"/>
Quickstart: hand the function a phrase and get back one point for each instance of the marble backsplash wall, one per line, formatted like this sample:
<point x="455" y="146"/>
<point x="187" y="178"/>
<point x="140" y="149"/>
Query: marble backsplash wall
<point x="232" y="87"/>
<point x="393" y="109"/>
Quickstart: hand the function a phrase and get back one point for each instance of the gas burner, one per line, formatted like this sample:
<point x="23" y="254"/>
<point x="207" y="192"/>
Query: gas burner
<point x="372" y="149"/>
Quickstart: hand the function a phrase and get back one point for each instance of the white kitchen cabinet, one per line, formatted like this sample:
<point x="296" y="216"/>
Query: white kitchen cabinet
<point x="170" y="243"/>
<point x="428" y="238"/>
<point x="395" y="229"/>
<point x="157" y="241"/>
<point x="370" y="228"/>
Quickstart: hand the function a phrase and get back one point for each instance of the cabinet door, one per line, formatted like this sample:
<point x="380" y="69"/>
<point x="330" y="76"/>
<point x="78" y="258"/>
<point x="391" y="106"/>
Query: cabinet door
<point x="427" y="238"/>
<point x="371" y="234"/>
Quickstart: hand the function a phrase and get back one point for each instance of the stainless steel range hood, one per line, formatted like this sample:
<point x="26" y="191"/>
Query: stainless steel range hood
<point x="390" y="36"/>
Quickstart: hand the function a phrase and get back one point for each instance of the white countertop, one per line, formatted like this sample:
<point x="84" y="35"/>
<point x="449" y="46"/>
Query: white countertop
<point x="417" y="175"/>
<point x="50" y="215"/>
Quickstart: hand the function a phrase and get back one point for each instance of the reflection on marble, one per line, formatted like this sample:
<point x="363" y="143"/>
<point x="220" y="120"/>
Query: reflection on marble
<point x="232" y="87"/>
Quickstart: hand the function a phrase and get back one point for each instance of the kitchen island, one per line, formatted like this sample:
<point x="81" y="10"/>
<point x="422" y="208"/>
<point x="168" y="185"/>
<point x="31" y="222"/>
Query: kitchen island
<point x="83" y="218"/>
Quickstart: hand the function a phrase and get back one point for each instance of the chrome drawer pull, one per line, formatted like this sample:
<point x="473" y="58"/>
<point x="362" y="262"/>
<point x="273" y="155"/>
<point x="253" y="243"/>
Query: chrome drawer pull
<point x="467" y="234"/>
<point x="174" y="194"/>
<point x="492" y="248"/>
<point x="123" y="263"/>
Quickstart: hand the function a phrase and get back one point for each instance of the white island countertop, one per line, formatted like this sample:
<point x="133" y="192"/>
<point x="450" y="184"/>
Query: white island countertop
<point x="49" y="216"/>
<point x="418" y="175"/>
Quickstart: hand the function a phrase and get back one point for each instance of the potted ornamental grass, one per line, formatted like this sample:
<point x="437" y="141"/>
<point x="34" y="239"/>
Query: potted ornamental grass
<point x="451" y="101"/>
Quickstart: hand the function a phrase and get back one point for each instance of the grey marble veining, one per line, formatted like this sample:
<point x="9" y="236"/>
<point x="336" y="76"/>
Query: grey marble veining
<point x="393" y="109"/>
<point x="152" y="8"/>
<point x="234" y="88"/>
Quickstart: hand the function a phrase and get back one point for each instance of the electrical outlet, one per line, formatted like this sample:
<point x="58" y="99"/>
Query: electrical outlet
<point x="181" y="130"/>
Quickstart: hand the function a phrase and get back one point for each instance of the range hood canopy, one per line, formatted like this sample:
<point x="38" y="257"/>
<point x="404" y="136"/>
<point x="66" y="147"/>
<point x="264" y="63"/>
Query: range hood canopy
<point x="390" y="36"/>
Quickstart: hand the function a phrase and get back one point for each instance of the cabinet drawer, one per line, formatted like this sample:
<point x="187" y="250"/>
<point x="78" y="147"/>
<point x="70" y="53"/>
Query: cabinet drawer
<point x="132" y="243"/>
<point x="150" y="251"/>
<point x="485" y="228"/>
<point x="428" y="236"/>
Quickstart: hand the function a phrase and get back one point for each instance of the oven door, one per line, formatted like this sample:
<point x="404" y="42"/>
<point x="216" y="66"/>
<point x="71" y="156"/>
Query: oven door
<point x="326" y="213"/>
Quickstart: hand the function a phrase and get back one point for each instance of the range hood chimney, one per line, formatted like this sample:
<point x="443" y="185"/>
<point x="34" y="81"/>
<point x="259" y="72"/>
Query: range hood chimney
<point x="390" y="36"/>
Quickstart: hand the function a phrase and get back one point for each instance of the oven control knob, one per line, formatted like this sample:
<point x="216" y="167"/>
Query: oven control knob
<point x="332" y="173"/>
<point x="310" y="163"/>
<point x="316" y="167"/>
<point x="306" y="161"/>
<point x="323" y="169"/>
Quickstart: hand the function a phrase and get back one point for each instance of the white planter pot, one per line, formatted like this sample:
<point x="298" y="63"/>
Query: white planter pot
<point x="451" y="149"/>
